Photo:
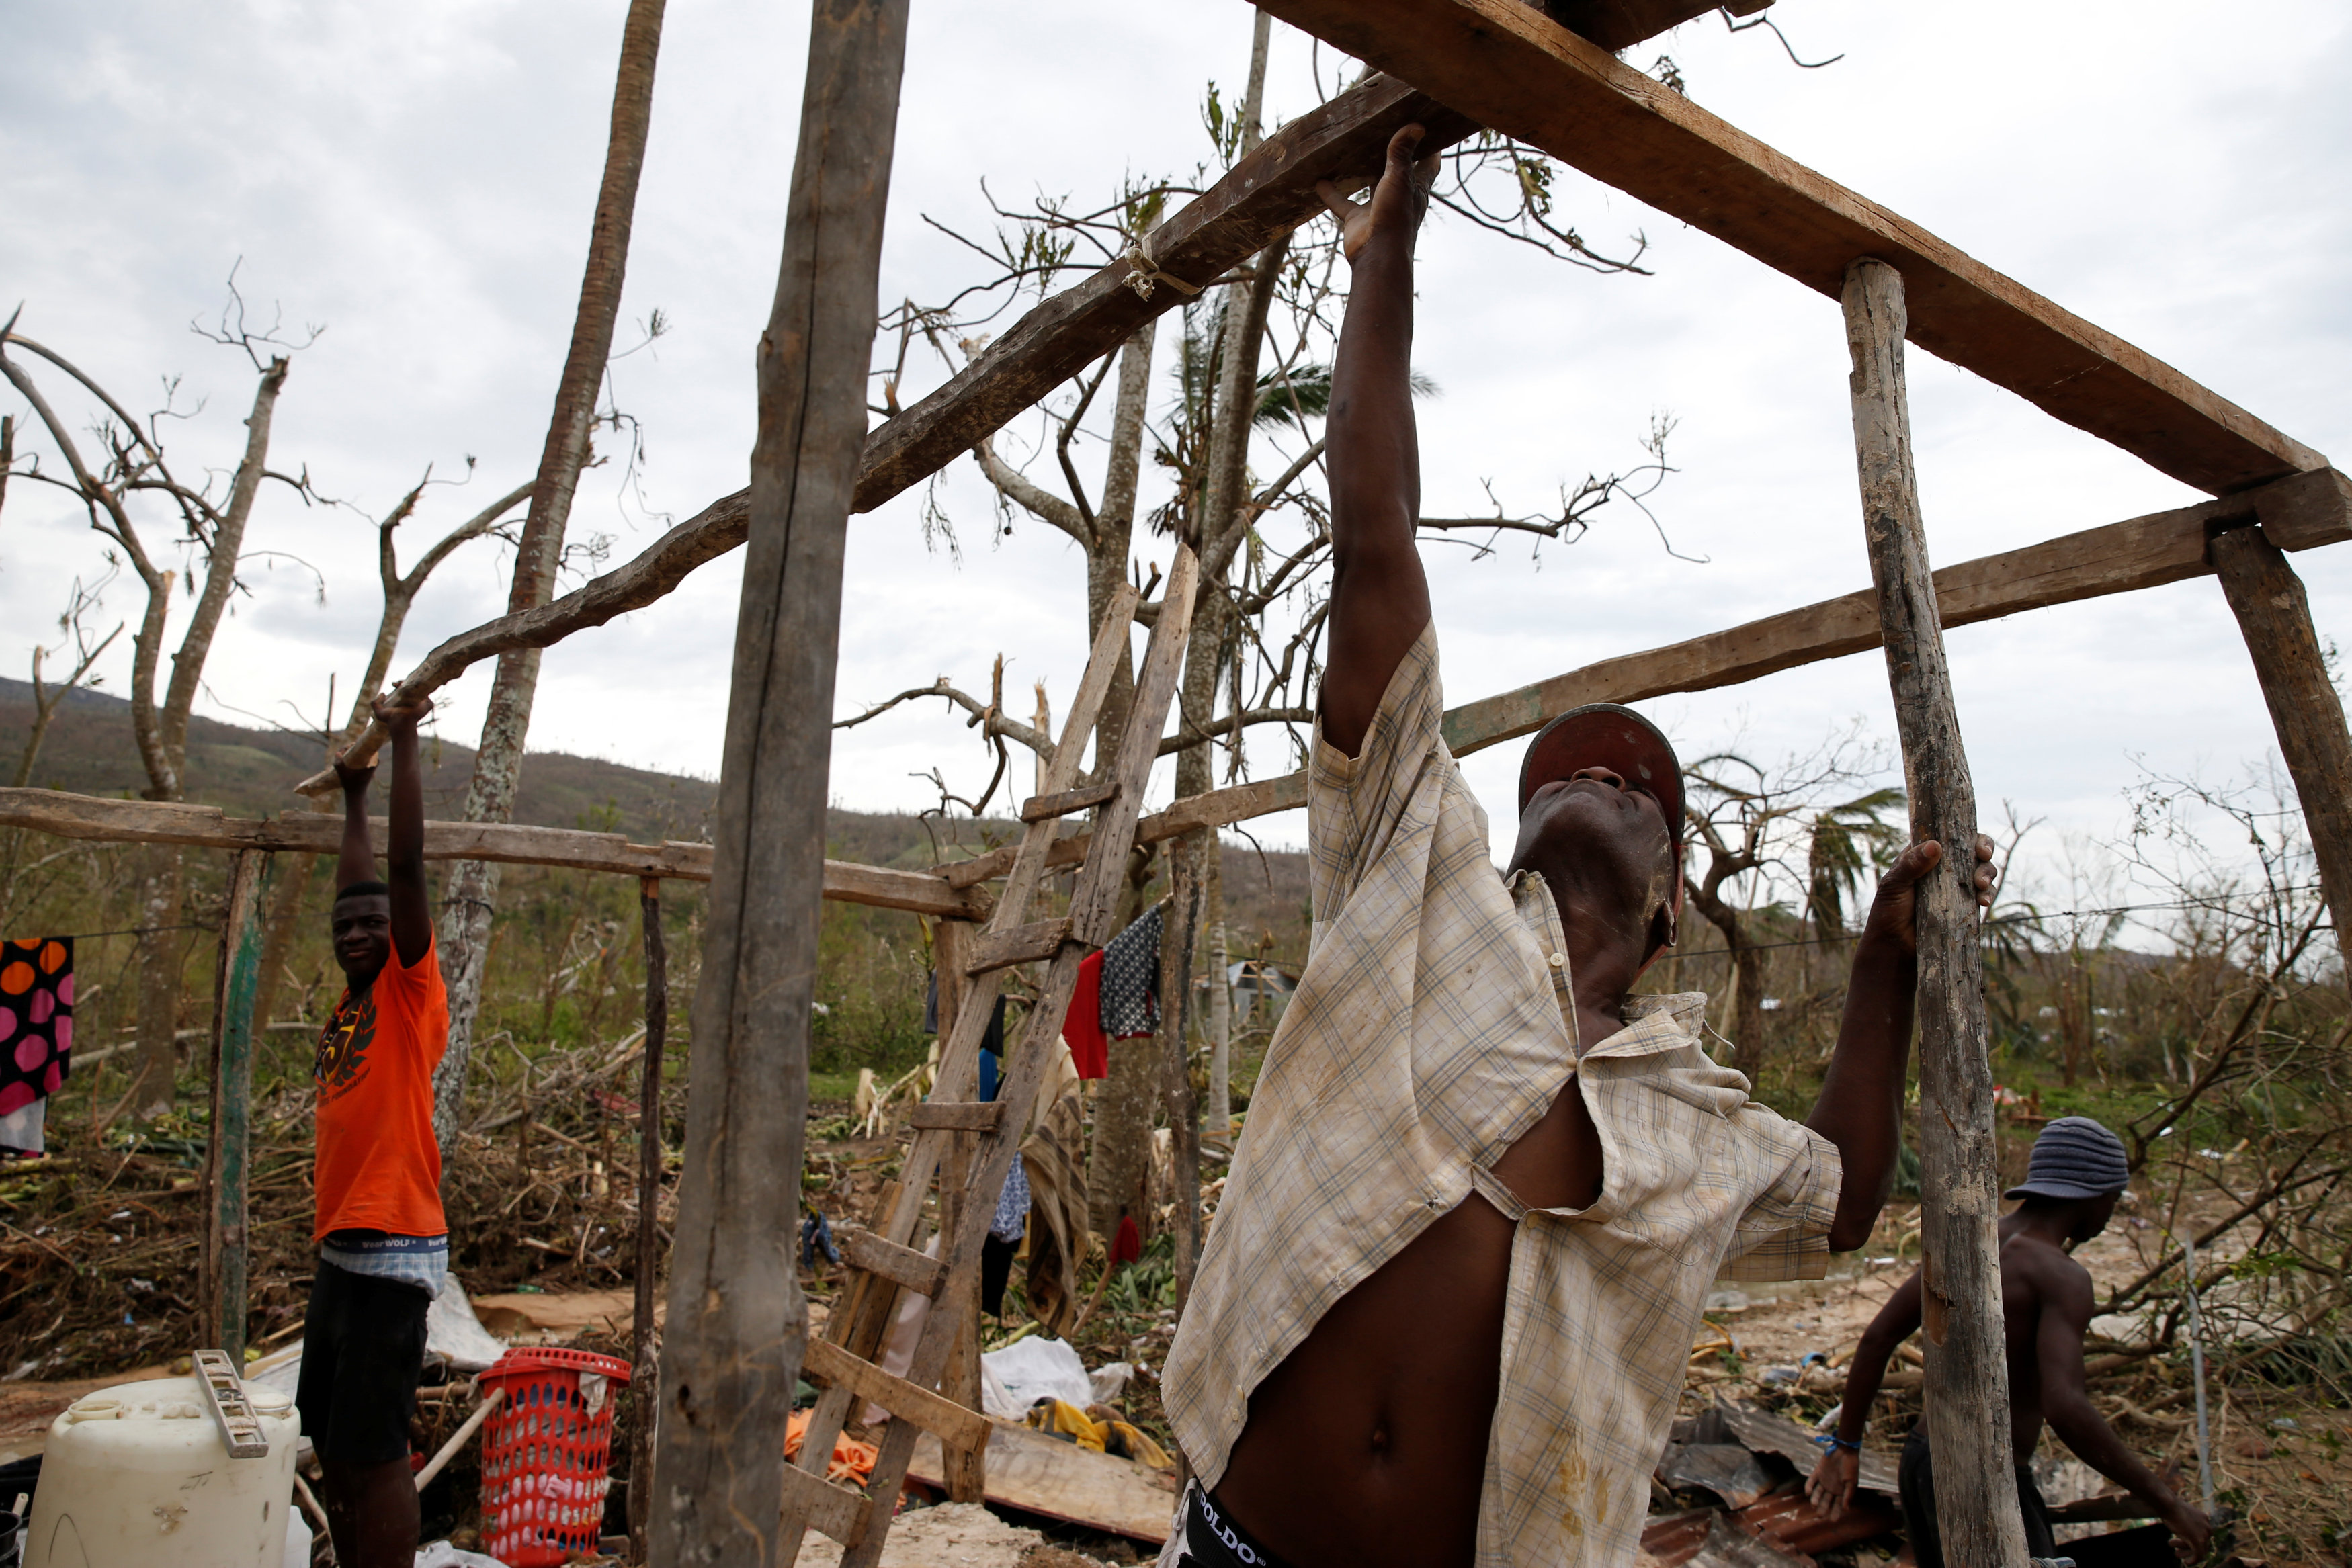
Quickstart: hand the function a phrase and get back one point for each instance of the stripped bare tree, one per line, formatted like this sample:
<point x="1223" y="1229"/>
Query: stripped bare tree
<point x="131" y="472"/>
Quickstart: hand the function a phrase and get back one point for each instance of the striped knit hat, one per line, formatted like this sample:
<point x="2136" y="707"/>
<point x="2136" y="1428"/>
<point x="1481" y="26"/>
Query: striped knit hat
<point x="2074" y="1158"/>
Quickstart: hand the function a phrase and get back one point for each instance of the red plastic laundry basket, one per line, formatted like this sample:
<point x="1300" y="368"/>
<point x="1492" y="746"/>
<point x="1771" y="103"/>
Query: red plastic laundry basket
<point x="544" y="1455"/>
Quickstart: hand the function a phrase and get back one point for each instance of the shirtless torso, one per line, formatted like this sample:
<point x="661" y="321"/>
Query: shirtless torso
<point x="1367" y="1445"/>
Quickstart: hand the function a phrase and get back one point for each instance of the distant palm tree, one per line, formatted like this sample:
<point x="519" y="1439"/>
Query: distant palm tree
<point x="1851" y="843"/>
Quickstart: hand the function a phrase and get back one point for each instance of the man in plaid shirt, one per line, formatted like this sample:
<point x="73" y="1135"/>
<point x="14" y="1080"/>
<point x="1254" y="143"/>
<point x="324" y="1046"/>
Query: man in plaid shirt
<point x="1452" y="1288"/>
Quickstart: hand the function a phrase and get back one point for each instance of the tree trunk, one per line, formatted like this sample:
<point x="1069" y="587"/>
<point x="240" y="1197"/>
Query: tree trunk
<point x="284" y="916"/>
<point x="2273" y="613"/>
<point x="1968" y="1374"/>
<point x="160" y="950"/>
<point x="1107" y="562"/>
<point x="471" y="895"/>
<point x="1183" y="1105"/>
<point x="1218" y="1127"/>
<point x="164" y="734"/>
<point x="1748" y="1014"/>
<point x="732" y="1344"/>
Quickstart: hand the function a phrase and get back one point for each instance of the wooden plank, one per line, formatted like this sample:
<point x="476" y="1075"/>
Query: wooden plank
<point x="957" y="1115"/>
<point x="1621" y="24"/>
<point x="1507" y="65"/>
<point x="1967" y="1371"/>
<point x="901" y="1265"/>
<point x="835" y="1510"/>
<point x="1040" y="1474"/>
<point x="161" y="823"/>
<point x="1038" y="808"/>
<point x="733" y="1341"/>
<point x="1039" y="939"/>
<point x="2141" y="552"/>
<point x="2274" y="616"/>
<point x="943" y="1417"/>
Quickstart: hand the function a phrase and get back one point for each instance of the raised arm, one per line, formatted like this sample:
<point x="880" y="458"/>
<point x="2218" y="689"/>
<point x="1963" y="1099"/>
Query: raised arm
<point x="412" y="905"/>
<point x="1832" y="1484"/>
<point x="1380" y="598"/>
<point x="356" y="860"/>
<point x="2066" y="1311"/>
<point x="1861" y="1107"/>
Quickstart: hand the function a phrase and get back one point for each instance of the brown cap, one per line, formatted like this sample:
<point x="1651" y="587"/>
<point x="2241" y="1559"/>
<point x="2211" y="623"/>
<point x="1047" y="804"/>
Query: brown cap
<point x="1617" y="739"/>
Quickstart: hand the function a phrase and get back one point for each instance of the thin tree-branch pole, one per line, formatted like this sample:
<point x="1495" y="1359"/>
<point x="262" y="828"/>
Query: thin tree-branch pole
<point x="1510" y="67"/>
<point x="733" y="1342"/>
<point x="649" y="1164"/>
<point x="1967" y="1372"/>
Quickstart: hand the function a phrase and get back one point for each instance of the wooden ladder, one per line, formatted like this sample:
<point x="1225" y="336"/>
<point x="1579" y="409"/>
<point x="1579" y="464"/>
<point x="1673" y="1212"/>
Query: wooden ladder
<point x="968" y="1145"/>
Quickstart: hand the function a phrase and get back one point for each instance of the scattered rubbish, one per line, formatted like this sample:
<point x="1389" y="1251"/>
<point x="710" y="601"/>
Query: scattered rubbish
<point x="1726" y="1469"/>
<point x="1036" y="1368"/>
<point x="1727" y="1301"/>
<point x="1110" y="1381"/>
<point x="441" y="1554"/>
<point x="853" y="1461"/>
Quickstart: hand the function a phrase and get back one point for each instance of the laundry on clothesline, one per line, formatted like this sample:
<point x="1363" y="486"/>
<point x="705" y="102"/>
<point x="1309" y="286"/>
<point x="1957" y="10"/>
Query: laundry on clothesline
<point x="1116" y="995"/>
<point x="37" y="992"/>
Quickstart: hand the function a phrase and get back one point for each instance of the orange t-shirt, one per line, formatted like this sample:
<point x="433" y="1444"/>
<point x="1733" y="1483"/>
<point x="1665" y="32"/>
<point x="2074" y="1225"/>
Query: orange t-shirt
<point x="379" y="1167"/>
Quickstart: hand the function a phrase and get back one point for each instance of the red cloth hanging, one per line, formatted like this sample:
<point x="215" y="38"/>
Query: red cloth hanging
<point x="1089" y="1049"/>
<point x="1126" y="1244"/>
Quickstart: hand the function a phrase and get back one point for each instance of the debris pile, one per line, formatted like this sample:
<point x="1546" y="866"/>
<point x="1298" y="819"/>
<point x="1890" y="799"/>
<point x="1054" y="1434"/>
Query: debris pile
<point x="1748" y="1466"/>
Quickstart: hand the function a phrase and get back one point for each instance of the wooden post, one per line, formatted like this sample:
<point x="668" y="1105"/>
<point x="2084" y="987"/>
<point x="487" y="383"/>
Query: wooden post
<point x="2273" y="612"/>
<point x="967" y="1472"/>
<point x="647" y="1377"/>
<point x="732" y="1346"/>
<point x="1967" y="1378"/>
<point x="228" y="1153"/>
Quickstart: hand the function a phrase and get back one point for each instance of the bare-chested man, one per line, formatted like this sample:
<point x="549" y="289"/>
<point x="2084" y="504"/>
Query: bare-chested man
<point x="2070" y="1190"/>
<point x="1446" y="1304"/>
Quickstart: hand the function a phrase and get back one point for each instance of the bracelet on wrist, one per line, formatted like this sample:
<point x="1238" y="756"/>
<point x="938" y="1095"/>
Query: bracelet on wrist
<point x="1832" y="1441"/>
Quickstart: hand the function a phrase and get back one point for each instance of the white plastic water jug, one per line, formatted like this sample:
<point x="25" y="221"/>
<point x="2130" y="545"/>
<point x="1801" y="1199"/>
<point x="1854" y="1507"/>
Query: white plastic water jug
<point x="137" y="1475"/>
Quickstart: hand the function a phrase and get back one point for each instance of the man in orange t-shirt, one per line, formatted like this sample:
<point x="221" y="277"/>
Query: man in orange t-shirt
<point x="383" y="1246"/>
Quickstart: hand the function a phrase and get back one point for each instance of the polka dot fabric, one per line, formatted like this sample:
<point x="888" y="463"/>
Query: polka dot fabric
<point x="37" y="992"/>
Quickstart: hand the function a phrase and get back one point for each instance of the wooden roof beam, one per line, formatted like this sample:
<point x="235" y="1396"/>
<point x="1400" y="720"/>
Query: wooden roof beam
<point x="1510" y="67"/>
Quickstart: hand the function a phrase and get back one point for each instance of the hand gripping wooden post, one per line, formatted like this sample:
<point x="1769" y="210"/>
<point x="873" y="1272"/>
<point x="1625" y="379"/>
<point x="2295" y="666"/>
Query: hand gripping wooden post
<point x="1966" y="1379"/>
<point x="228" y="1169"/>
<point x="2273" y="612"/>
<point x="733" y="1342"/>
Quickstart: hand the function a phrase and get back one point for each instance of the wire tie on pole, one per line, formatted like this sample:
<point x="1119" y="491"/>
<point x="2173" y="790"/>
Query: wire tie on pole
<point x="1147" y="273"/>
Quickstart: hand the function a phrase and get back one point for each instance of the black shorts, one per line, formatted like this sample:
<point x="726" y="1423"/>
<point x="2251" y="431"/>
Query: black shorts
<point x="1916" y="1479"/>
<point x="363" y="1351"/>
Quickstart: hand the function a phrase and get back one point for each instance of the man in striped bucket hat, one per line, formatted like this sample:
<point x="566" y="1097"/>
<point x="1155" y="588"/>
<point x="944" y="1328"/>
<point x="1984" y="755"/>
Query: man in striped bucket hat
<point x="2076" y="1176"/>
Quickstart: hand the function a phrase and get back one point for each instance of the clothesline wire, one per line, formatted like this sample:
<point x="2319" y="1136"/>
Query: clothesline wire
<point x="131" y="931"/>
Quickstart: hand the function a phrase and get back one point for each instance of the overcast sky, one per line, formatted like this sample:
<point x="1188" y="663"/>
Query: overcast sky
<point x="419" y="180"/>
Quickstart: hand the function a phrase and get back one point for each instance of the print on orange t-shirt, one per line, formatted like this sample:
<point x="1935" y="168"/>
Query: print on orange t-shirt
<point x="379" y="1167"/>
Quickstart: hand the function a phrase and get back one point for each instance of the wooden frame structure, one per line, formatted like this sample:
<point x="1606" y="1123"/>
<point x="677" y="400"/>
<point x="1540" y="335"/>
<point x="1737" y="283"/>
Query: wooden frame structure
<point x="1509" y="66"/>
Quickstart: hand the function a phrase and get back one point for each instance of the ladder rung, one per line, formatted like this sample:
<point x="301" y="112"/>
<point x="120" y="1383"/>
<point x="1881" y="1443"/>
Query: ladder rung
<point x="935" y="1413"/>
<point x="1022" y="944"/>
<point x="835" y="1510"/>
<point x="900" y="1265"/>
<point x="957" y="1116"/>
<point x="1037" y="808"/>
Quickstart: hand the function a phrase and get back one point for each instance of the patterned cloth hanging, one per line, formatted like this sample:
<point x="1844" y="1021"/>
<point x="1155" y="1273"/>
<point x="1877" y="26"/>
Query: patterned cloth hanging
<point x="1131" y="978"/>
<point x="37" y="991"/>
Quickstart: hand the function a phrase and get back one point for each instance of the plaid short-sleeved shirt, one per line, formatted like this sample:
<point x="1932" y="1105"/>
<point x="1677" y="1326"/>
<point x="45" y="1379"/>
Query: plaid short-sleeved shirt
<point x="1433" y="1025"/>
